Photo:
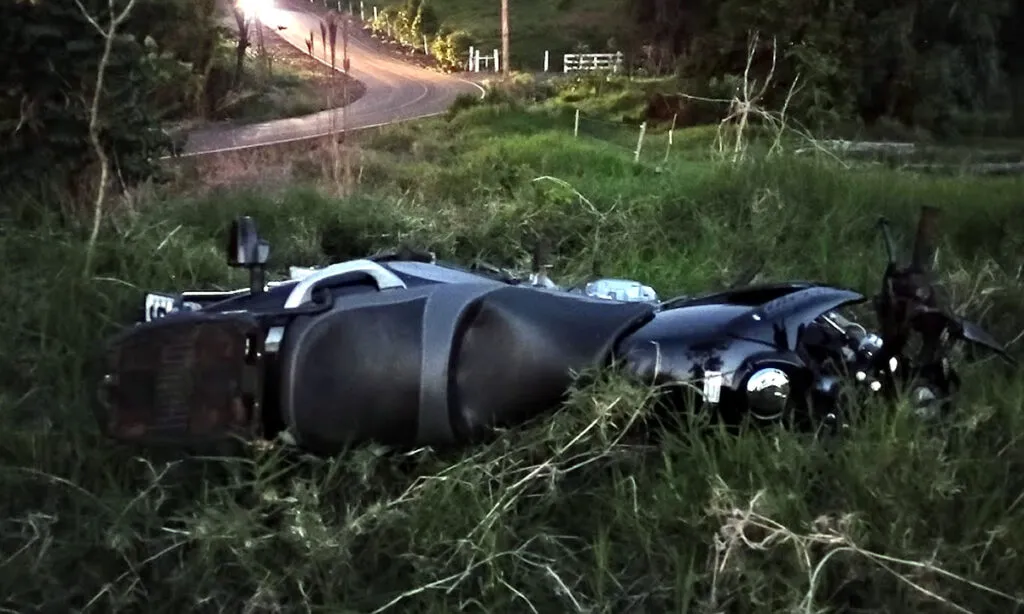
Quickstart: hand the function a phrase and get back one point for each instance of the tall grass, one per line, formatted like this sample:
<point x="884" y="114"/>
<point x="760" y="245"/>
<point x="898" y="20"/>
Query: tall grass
<point x="569" y="514"/>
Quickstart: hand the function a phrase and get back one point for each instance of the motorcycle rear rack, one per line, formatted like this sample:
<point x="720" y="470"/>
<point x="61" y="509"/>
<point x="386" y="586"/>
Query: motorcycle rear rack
<point x="189" y="378"/>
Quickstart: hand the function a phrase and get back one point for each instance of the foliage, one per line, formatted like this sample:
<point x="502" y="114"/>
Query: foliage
<point x="188" y="32"/>
<point x="52" y="57"/>
<point x="939" y="65"/>
<point x="415" y="20"/>
<point x="407" y="23"/>
<point x="450" y="49"/>
<point x="930" y="63"/>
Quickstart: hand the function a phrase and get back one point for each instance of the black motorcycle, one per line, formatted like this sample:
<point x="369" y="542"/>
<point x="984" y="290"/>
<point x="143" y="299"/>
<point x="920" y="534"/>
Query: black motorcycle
<point x="403" y="350"/>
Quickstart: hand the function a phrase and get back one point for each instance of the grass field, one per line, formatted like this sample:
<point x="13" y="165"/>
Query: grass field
<point x="566" y="516"/>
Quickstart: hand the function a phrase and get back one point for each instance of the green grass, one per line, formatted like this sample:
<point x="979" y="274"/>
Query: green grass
<point x="564" y="516"/>
<point x="557" y="26"/>
<point x="286" y="92"/>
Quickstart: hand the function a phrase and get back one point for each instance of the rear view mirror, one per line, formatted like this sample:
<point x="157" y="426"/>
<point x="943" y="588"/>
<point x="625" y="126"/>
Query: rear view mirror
<point x="245" y="249"/>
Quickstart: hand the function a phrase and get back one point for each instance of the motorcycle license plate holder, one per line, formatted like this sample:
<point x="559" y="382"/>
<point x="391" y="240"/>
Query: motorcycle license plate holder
<point x="160" y="304"/>
<point x="185" y="379"/>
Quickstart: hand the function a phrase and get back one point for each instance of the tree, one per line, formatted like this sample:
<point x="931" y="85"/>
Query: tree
<point x="922" y="62"/>
<point x="50" y="88"/>
<point x="190" y="33"/>
<point x="242" y="22"/>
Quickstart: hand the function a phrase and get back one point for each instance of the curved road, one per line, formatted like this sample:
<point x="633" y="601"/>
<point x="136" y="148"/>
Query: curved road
<point x="395" y="91"/>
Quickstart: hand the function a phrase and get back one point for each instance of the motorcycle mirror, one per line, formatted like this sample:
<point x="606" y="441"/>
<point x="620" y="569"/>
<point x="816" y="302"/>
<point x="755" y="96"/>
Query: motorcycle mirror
<point x="245" y="249"/>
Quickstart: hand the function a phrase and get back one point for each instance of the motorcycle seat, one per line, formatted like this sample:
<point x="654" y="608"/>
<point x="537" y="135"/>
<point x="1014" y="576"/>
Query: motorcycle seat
<point x="440" y="364"/>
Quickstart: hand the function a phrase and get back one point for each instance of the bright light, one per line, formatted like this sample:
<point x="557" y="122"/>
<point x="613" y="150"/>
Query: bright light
<point x="262" y="10"/>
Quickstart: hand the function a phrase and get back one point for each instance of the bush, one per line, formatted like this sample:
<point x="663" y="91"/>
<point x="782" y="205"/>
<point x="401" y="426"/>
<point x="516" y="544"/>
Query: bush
<point x="451" y="49"/>
<point x="46" y="97"/>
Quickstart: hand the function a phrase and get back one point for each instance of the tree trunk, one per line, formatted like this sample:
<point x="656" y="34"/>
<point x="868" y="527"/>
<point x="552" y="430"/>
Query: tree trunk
<point x="243" y="44"/>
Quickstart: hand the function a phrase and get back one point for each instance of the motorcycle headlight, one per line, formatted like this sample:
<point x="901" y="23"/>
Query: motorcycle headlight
<point x="768" y="393"/>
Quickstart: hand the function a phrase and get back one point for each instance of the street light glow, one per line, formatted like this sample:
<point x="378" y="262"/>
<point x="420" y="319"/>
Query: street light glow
<point x="261" y="10"/>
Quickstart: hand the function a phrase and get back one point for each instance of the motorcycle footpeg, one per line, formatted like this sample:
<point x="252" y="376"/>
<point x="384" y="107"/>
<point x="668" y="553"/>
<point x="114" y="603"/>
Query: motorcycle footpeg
<point x="187" y="379"/>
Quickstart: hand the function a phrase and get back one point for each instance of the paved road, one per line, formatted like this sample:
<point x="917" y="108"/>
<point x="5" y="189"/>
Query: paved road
<point x="395" y="91"/>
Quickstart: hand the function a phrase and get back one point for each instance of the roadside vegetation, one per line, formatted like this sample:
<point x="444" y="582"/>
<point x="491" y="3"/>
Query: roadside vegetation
<point x="561" y="26"/>
<point x="286" y="83"/>
<point x="566" y="515"/>
<point x="172" y="64"/>
<point x="895" y="67"/>
<point x="570" y="514"/>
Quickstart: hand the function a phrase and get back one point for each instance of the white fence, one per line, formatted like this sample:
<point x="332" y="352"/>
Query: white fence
<point x="490" y="60"/>
<point x="572" y="62"/>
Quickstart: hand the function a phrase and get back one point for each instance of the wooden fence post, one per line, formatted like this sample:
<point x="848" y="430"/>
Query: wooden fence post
<point x="671" y="130"/>
<point x="640" y="142"/>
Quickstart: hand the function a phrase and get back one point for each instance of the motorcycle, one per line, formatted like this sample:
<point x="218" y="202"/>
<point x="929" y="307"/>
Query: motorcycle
<point x="404" y="350"/>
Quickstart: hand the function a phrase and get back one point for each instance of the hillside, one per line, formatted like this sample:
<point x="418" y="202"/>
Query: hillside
<point x="858" y="61"/>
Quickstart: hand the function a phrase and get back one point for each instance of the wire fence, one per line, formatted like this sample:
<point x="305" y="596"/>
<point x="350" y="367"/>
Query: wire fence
<point x="641" y="142"/>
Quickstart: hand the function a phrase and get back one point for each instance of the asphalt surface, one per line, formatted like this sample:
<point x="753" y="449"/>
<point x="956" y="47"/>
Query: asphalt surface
<point x="395" y="91"/>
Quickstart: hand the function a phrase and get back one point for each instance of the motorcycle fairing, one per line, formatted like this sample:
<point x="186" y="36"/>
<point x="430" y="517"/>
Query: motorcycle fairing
<point x="782" y="320"/>
<point x="724" y="342"/>
<point x="440" y="364"/>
